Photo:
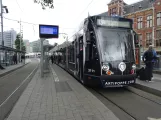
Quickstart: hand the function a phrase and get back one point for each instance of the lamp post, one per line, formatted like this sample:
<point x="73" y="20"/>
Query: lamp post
<point x="6" y="9"/>
<point x="2" y="22"/>
<point x="20" y="39"/>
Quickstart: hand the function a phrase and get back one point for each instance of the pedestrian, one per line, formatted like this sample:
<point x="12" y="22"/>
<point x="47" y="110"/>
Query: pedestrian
<point x="149" y="57"/>
<point x="52" y="59"/>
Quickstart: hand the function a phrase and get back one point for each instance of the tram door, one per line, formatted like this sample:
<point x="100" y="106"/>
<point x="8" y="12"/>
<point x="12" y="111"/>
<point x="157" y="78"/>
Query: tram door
<point x="81" y="59"/>
<point x="79" y="63"/>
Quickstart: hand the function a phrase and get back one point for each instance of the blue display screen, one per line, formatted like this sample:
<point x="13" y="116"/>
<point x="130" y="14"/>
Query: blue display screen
<point x="49" y="30"/>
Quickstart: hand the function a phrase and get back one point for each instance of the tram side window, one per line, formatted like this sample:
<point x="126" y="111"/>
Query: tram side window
<point x="71" y="54"/>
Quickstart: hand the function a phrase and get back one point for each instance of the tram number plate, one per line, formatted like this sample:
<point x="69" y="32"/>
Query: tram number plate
<point x="119" y="83"/>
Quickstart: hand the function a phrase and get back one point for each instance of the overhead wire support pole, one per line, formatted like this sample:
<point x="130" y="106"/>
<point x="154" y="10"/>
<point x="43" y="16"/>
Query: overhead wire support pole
<point x="1" y="26"/>
<point x="2" y="22"/>
<point x="20" y="41"/>
<point x="42" y="58"/>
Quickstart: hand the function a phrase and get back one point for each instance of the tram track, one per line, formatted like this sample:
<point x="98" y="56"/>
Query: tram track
<point x="133" y="90"/>
<point x="132" y="117"/>
<point x="127" y="104"/>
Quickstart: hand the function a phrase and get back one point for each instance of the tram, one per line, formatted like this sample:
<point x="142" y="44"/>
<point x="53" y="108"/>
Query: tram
<point x="102" y="52"/>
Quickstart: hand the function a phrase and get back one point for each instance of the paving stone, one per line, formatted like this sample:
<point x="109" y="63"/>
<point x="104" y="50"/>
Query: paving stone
<point x="41" y="117"/>
<point x="24" y="118"/>
<point x="45" y="103"/>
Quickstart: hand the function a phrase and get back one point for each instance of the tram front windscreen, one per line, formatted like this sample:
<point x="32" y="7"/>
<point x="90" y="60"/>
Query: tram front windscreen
<point x="116" y="44"/>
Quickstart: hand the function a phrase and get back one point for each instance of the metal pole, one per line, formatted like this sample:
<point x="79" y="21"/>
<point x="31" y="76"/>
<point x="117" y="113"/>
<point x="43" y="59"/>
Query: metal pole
<point x="1" y="26"/>
<point x="42" y="58"/>
<point x="153" y="24"/>
<point x="66" y="52"/>
<point x="20" y="40"/>
<point x="2" y="23"/>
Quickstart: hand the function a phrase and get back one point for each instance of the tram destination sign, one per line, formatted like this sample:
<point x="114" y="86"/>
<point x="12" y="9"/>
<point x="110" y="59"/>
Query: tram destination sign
<point x="113" y="23"/>
<point x="48" y="31"/>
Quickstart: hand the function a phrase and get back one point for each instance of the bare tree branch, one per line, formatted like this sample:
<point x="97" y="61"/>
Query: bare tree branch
<point x="45" y="3"/>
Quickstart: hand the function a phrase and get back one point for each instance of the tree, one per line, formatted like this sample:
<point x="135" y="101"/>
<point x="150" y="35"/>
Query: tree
<point x="45" y="3"/>
<point x="17" y="43"/>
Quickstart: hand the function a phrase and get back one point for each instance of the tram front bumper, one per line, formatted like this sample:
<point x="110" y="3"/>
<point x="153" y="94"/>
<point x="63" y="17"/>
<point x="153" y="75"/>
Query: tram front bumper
<point x="110" y="81"/>
<point x="117" y="80"/>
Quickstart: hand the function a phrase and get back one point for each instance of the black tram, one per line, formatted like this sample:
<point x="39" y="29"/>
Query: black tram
<point x="102" y="52"/>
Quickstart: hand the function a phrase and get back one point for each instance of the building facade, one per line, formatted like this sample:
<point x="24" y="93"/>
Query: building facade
<point x="9" y="38"/>
<point x="36" y="45"/>
<point x="146" y="16"/>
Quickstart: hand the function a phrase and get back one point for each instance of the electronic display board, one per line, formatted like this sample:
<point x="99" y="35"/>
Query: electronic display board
<point x="48" y="31"/>
<point x="113" y="23"/>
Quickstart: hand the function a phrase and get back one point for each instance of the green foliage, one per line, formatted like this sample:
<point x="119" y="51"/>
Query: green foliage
<point x="45" y="3"/>
<point x="17" y="43"/>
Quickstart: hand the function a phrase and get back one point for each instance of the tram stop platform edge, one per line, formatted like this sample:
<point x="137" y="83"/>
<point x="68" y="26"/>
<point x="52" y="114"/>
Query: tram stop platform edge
<point x="12" y="68"/>
<point x="58" y="96"/>
<point x="153" y="87"/>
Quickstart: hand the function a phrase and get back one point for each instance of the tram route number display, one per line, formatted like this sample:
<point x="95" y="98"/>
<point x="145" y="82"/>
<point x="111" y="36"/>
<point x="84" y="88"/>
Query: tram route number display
<point x="119" y="83"/>
<point x="113" y="23"/>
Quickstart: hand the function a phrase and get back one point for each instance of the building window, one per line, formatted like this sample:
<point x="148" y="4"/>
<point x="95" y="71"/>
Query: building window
<point x="159" y="18"/>
<point x="148" y="39"/>
<point x="140" y="22"/>
<point x="140" y="39"/>
<point x="133" y="19"/>
<point x="149" y="21"/>
<point x="114" y="11"/>
<point x="158" y="38"/>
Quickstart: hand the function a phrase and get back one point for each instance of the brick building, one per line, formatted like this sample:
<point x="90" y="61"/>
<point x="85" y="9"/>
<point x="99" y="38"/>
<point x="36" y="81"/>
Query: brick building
<point x="146" y="15"/>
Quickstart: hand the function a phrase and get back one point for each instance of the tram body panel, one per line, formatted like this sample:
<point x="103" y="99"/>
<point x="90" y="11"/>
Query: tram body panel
<point x="103" y="56"/>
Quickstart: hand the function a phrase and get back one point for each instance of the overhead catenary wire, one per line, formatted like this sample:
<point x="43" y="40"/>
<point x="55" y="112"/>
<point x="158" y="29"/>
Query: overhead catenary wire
<point x="85" y="8"/>
<point x="19" y="5"/>
<point x="30" y="22"/>
<point x="60" y="27"/>
<point x="81" y="14"/>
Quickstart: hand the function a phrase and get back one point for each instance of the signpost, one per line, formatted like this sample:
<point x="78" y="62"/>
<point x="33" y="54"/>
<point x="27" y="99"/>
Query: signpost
<point x="46" y="32"/>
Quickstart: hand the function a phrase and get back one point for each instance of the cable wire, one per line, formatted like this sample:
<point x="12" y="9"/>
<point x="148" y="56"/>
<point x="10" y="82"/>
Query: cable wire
<point x="85" y="9"/>
<point x="29" y="22"/>
<point x="19" y="5"/>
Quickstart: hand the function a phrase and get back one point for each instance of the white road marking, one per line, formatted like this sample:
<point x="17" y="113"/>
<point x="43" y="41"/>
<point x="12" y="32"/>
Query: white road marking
<point x="149" y="118"/>
<point x="54" y="74"/>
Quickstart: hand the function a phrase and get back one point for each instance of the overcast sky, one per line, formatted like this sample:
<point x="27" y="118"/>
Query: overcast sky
<point x="66" y="13"/>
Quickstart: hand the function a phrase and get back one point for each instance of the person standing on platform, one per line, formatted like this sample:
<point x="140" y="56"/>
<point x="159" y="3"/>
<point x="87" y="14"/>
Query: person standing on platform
<point x="52" y="59"/>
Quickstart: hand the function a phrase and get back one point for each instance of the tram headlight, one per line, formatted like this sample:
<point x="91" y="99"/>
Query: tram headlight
<point x="105" y="67"/>
<point x="134" y="67"/>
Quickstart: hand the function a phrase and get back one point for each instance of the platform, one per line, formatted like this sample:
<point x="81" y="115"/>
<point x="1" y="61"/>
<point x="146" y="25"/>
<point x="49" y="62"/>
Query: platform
<point x="58" y="96"/>
<point x="11" y="68"/>
<point x="153" y="87"/>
